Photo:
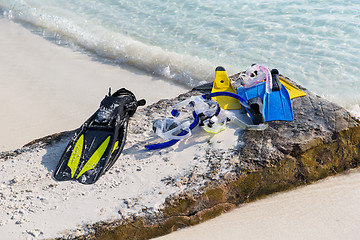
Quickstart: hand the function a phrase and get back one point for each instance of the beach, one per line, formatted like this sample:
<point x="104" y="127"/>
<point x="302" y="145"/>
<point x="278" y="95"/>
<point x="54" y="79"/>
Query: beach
<point x="327" y="209"/>
<point x="47" y="89"/>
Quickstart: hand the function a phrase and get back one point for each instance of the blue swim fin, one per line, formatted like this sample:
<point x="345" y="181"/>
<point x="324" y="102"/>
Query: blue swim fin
<point x="277" y="104"/>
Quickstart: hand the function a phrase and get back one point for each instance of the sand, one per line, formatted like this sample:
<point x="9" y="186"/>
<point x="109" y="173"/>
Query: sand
<point x="46" y="88"/>
<point x="43" y="92"/>
<point x="328" y="209"/>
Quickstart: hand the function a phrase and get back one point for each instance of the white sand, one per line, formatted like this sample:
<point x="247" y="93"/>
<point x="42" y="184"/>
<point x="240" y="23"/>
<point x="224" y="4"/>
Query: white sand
<point x="46" y="88"/>
<point x="42" y="92"/>
<point x="328" y="209"/>
<point x="35" y="206"/>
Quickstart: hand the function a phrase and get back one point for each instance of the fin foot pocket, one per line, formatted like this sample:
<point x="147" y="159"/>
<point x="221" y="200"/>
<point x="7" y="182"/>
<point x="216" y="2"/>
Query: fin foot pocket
<point x="256" y="110"/>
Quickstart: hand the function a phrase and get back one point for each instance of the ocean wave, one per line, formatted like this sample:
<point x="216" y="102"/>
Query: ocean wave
<point x="313" y="44"/>
<point x="182" y="68"/>
<point x="355" y="110"/>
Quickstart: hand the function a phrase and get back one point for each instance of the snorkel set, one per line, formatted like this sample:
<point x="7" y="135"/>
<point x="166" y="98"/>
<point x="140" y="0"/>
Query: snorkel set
<point x="97" y="144"/>
<point x="213" y="112"/>
<point x="206" y="113"/>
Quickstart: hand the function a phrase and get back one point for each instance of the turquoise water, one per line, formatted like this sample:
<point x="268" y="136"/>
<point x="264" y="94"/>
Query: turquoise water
<point x="315" y="43"/>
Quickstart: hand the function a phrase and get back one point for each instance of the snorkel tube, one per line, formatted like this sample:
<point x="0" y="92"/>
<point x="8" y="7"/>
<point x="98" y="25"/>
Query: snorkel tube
<point x="268" y="79"/>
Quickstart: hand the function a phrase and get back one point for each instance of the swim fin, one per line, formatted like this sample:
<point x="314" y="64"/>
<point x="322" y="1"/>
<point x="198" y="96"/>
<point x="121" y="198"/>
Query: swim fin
<point x="294" y="92"/>
<point x="277" y="104"/>
<point x="222" y="84"/>
<point x="99" y="141"/>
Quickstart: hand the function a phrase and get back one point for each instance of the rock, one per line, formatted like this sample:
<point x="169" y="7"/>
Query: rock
<point x="77" y="233"/>
<point x="323" y="140"/>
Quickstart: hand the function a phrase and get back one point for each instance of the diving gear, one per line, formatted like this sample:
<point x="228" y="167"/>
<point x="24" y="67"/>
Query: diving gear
<point x="277" y="104"/>
<point x="294" y="92"/>
<point x="174" y="141"/>
<point x="256" y="110"/>
<point x="254" y="96"/>
<point x="222" y="84"/>
<point x="170" y="128"/>
<point x="242" y="124"/>
<point x="208" y="114"/>
<point x="254" y="75"/>
<point x="248" y="105"/>
<point x="98" y="143"/>
<point x="257" y="74"/>
<point x="205" y="112"/>
<point x="206" y="109"/>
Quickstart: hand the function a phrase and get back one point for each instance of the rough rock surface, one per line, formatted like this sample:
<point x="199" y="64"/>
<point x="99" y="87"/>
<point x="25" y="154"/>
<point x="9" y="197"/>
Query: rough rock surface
<point x="324" y="139"/>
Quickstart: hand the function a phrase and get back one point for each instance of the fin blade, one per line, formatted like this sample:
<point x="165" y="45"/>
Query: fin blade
<point x="222" y="84"/>
<point x="76" y="155"/>
<point x="277" y="106"/>
<point x="95" y="158"/>
<point x="294" y="92"/>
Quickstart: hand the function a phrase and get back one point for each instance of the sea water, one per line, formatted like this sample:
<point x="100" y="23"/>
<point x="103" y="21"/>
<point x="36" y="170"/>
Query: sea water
<point x="315" y="43"/>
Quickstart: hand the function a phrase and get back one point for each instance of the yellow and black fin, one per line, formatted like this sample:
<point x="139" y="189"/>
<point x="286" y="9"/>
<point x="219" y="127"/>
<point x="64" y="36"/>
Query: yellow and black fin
<point x="222" y="84"/>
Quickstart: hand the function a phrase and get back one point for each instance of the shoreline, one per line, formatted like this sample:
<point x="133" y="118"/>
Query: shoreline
<point x="327" y="209"/>
<point x="47" y="88"/>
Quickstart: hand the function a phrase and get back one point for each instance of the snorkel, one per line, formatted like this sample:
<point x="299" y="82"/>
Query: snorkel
<point x="206" y="112"/>
<point x="268" y="79"/>
<point x="203" y="111"/>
